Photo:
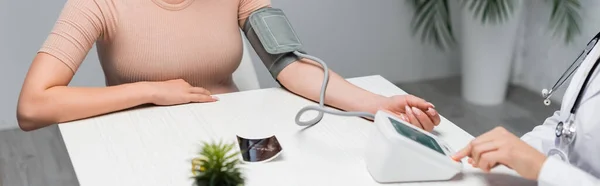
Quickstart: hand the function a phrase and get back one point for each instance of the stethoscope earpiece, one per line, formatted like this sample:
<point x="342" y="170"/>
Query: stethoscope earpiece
<point x="545" y="92"/>
<point x="547" y="102"/>
<point x="546" y="95"/>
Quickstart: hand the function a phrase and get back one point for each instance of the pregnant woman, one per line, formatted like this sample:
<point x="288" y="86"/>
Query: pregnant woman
<point x="168" y="52"/>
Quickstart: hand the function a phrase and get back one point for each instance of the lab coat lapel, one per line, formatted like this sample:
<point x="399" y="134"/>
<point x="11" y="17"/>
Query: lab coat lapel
<point x="593" y="88"/>
<point x="585" y="150"/>
<point x="577" y="82"/>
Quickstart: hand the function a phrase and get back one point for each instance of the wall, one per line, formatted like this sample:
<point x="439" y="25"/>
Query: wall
<point x="543" y="57"/>
<point x="4" y="90"/>
<point x="355" y="38"/>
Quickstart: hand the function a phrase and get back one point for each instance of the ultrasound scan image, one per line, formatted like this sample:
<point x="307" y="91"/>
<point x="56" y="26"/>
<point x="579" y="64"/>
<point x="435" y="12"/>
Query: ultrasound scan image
<point x="259" y="150"/>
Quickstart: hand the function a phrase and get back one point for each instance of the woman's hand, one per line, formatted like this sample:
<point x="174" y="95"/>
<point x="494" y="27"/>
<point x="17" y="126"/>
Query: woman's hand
<point x="414" y="110"/>
<point x="499" y="146"/>
<point x="178" y="91"/>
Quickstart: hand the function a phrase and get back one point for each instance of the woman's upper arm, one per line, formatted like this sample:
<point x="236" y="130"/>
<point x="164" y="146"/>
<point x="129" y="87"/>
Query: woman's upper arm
<point x="78" y="27"/>
<point x="246" y="7"/>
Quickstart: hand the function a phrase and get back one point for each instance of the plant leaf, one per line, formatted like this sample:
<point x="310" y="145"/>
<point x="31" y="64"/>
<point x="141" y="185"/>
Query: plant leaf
<point x="565" y="18"/>
<point x="491" y="11"/>
<point x="432" y="20"/>
<point x="219" y="165"/>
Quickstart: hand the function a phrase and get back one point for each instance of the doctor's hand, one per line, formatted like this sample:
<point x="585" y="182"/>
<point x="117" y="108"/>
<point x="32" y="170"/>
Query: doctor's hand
<point x="413" y="110"/>
<point x="499" y="146"/>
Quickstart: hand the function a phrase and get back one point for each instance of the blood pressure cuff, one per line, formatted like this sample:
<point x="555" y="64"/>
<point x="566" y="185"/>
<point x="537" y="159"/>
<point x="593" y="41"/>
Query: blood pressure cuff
<point x="274" y="40"/>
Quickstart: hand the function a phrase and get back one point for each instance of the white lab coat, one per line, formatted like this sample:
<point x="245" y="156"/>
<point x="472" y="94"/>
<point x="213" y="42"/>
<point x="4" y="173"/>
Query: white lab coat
<point x="584" y="169"/>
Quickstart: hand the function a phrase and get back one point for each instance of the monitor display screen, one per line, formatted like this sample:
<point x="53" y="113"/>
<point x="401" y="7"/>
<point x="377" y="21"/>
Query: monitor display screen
<point x="417" y="136"/>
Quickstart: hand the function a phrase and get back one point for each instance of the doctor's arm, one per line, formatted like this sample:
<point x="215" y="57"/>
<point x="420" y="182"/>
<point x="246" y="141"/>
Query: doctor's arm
<point x="525" y="155"/>
<point x="542" y="133"/>
<point x="554" y="171"/>
<point x="557" y="172"/>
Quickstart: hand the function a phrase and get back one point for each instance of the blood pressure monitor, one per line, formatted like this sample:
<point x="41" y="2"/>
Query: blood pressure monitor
<point x="400" y="152"/>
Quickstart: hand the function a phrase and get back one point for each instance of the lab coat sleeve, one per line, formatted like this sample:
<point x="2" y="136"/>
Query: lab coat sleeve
<point x="542" y="133"/>
<point x="557" y="172"/>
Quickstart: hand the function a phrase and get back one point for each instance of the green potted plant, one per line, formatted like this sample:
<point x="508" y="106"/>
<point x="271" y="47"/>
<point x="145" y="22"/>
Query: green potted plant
<point x="217" y="166"/>
<point x="488" y="31"/>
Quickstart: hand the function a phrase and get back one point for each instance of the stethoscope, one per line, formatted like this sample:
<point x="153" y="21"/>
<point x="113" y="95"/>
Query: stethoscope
<point x="565" y="130"/>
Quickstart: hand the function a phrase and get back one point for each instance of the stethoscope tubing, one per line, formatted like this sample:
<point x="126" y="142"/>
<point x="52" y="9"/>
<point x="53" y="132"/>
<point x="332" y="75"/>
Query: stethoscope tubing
<point x="546" y="94"/>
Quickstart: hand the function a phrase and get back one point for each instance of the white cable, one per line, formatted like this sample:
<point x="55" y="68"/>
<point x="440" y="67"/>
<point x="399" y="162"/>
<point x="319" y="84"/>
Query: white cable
<point x="321" y="107"/>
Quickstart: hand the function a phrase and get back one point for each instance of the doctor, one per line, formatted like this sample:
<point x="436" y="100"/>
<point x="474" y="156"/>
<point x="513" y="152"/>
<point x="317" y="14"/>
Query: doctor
<point x="565" y="149"/>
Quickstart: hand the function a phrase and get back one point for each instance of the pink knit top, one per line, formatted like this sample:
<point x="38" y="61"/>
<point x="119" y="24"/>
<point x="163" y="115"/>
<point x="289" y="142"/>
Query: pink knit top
<point x="151" y="40"/>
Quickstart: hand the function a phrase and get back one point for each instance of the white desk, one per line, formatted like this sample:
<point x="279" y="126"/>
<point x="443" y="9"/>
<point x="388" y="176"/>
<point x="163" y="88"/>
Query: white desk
<point x="154" y="146"/>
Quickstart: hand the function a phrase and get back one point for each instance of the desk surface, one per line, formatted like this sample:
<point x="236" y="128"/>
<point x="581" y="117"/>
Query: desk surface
<point x="154" y="146"/>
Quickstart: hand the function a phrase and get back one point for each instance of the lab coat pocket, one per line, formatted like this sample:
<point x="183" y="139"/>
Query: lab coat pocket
<point x="547" y="145"/>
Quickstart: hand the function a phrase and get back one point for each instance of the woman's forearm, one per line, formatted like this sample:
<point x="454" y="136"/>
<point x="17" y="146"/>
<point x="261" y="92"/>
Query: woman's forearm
<point x="305" y="79"/>
<point x="62" y="103"/>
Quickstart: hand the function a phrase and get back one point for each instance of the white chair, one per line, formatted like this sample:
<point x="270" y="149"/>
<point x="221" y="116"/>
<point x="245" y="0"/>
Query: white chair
<point x="245" y="75"/>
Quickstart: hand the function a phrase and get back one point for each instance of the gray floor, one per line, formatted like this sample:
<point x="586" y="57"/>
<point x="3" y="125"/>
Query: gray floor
<point x="40" y="157"/>
<point x="35" y="158"/>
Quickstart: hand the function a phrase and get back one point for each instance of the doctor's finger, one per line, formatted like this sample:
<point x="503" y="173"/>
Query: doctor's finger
<point x="488" y="161"/>
<point x="486" y="137"/>
<point x="466" y="151"/>
<point x="481" y="149"/>
<point x="423" y="119"/>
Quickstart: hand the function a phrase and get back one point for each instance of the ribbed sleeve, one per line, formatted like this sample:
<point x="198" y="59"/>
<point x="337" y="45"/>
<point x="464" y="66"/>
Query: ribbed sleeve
<point x="79" y="25"/>
<point x="249" y="6"/>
